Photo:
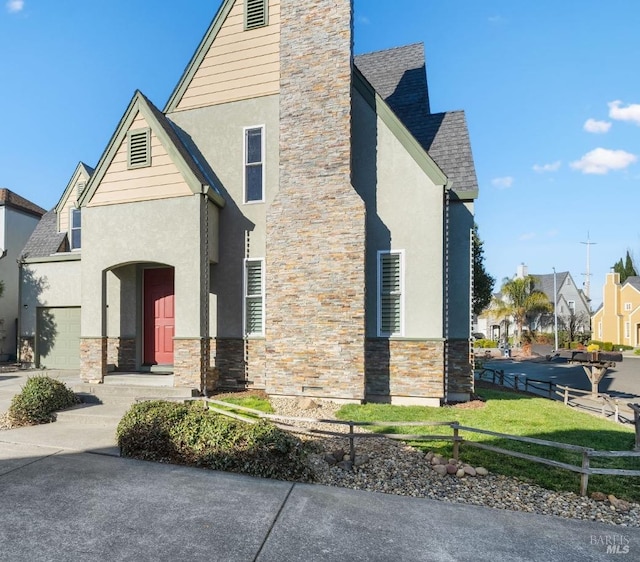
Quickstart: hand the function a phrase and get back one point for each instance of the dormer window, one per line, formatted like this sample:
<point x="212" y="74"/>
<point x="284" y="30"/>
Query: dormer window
<point x="76" y="224"/>
<point x="139" y="148"/>
<point x="256" y="13"/>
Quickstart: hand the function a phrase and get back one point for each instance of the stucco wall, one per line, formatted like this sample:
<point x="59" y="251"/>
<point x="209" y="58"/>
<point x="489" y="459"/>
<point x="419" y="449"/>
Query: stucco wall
<point x="16" y="229"/>
<point x="404" y="212"/>
<point x="218" y="132"/>
<point x="54" y="284"/>
<point x="164" y="231"/>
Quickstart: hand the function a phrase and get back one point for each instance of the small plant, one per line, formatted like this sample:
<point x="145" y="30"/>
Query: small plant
<point x="40" y="397"/>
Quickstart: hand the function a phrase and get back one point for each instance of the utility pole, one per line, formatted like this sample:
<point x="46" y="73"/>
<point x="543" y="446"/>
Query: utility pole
<point x="587" y="275"/>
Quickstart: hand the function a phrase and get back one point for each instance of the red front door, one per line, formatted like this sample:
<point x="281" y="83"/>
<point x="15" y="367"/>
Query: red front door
<point x="158" y="316"/>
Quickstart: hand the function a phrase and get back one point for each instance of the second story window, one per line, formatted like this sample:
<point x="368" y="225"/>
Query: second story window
<point x="254" y="164"/>
<point x="76" y="226"/>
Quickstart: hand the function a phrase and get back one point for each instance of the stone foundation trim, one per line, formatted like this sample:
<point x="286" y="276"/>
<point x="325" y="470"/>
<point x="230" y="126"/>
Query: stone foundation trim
<point x="191" y="363"/>
<point x="122" y="354"/>
<point x="404" y="370"/>
<point x="93" y="359"/>
<point x="460" y="382"/>
<point x="239" y="362"/>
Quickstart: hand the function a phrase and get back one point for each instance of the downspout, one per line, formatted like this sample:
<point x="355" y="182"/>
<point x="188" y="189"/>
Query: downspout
<point x="21" y="262"/>
<point x="207" y="266"/>
<point x="446" y="292"/>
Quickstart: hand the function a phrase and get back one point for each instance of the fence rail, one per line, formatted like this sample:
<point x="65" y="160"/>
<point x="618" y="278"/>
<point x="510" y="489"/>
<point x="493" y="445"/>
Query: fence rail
<point x="587" y="453"/>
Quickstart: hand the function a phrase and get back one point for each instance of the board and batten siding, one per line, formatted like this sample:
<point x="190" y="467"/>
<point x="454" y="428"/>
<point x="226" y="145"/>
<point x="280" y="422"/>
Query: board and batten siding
<point x="159" y="181"/>
<point x="240" y="64"/>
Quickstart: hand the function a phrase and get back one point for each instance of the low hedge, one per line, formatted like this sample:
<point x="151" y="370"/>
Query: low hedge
<point x="39" y="399"/>
<point x="485" y="344"/>
<point x="192" y="435"/>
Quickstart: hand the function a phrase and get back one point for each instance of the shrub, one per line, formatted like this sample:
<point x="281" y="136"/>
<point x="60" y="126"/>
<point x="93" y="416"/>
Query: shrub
<point x="40" y="397"/>
<point x="192" y="435"/>
<point x="485" y="344"/>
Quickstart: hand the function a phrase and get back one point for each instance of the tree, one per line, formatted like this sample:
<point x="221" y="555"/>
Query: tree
<point x="574" y="324"/>
<point x="522" y="301"/>
<point x="482" y="282"/>
<point x="625" y="269"/>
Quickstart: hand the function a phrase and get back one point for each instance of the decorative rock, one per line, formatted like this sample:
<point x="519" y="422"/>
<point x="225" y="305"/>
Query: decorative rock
<point x="453" y="461"/>
<point x="345" y="465"/>
<point x="429" y="456"/>
<point x="307" y="404"/>
<point x="441" y="469"/>
<point x="598" y="496"/>
<point x="481" y="471"/>
<point x="451" y="468"/>
<point x="338" y="454"/>
<point x="437" y="459"/>
<point x="460" y="473"/>
<point x="330" y="459"/>
<point x="469" y="470"/>
<point x="620" y="505"/>
<point x="360" y="460"/>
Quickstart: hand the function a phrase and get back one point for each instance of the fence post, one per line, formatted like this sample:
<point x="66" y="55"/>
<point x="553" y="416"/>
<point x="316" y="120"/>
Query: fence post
<point x="456" y="443"/>
<point x="501" y="377"/>
<point x="604" y="403"/>
<point x="566" y="395"/>
<point x="526" y="384"/>
<point x="515" y="382"/>
<point x="584" y="477"/>
<point x="550" y="386"/>
<point x="616" y="413"/>
<point x="352" y="447"/>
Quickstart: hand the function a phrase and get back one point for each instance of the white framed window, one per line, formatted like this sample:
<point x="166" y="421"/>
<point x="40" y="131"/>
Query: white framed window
<point x="390" y="293"/>
<point x="76" y="229"/>
<point x="254" y="296"/>
<point x="627" y="306"/>
<point x="571" y="305"/>
<point x="627" y="330"/>
<point x="254" y="144"/>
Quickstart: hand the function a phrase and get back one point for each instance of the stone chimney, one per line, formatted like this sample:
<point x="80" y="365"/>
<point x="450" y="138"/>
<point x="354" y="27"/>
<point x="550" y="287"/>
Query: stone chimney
<point x="315" y="325"/>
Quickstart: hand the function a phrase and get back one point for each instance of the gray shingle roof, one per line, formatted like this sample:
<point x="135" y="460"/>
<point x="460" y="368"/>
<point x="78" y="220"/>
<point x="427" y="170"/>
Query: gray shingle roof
<point x="399" y="77"/>
<point x="634" y="281"/>
<point x="45" y="240"/>
<point x="544" y="282"/>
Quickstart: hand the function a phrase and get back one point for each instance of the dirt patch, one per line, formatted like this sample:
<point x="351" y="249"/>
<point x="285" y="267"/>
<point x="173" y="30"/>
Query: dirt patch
<point x="471" y="405"/>
<point x="240" y="394"/>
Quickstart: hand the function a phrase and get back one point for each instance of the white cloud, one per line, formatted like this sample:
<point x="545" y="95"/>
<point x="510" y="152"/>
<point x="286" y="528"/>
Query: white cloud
<point x="502" y="183"/>
<point x="527" y="236"/>
<point x="629" y="113"/>
<point x="594" y="126"/>
<point x="553" y="167"/>
<point x="364" y="20"/>
<point x="602" y="160"/>
<point x="15" y="6"/>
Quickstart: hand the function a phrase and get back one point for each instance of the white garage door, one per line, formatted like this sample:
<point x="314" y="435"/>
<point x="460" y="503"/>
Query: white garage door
<point x="58" y="338"/>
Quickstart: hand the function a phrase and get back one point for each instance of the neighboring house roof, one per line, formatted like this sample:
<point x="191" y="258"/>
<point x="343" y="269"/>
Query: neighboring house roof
<point x="45" y="239"/>
<point x="10" y="199"/>
<point x="399" y="76"/>
<point x="545" y="282"/>
<point x="634" y="281"/>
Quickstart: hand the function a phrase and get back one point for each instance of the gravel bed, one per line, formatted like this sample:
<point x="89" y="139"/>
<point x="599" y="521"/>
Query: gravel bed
<point x="395" y="468"/>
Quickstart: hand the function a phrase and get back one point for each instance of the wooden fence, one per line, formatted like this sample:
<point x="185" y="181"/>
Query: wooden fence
<point x="289" y="423"/>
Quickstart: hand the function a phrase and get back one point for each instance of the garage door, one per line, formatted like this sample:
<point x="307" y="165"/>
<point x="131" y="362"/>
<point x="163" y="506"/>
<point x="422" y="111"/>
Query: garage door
<point x="58" y="338"/>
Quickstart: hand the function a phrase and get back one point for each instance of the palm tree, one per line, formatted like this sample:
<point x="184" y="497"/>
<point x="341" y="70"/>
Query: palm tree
<point x="520" y="300"/>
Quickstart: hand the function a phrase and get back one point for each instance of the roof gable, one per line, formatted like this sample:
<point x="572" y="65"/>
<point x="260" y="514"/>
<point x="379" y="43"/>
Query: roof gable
<point x="231" y="63"/>
<point x="81" y="175"/>
<point x="141" y="112"/>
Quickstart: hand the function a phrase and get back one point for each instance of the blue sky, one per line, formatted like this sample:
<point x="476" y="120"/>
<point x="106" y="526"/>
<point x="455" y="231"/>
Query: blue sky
<point x="551" y="90"/>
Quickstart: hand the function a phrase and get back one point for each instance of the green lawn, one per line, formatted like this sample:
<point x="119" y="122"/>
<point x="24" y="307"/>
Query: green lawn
<point x="523" y="415"/>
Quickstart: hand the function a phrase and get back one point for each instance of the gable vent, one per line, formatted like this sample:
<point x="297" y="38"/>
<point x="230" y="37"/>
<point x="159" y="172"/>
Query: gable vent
<point x="80" y="188"/>
<point x="255" y="13"/>
<point x="139" y="153"/>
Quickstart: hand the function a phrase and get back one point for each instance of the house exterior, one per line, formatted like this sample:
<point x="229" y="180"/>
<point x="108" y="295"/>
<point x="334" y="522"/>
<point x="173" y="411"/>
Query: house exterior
<point x="18" y="218"/>
<point x="562" y="292"/>
<point x="617" y="320"/>
<point x="295" y="219"/>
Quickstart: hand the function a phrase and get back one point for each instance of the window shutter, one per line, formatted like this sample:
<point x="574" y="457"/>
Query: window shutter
<point x="253" y="295"/>
<point x="255" y="14"/>
<point x="390" y="294"/>
<point x="139" y="148"/>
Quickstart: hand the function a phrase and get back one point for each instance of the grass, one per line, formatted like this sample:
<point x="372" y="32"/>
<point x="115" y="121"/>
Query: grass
<point x="255" y="400"/>
<point x="521" y="415"/>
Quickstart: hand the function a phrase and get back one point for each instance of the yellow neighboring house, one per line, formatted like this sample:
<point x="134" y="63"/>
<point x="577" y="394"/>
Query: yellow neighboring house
<point x="618" y="318"/>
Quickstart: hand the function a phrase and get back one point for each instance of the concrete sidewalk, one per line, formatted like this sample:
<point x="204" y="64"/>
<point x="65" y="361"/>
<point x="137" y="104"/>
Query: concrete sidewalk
<point x="66" y="495"/>
<point x="62" y="505"/>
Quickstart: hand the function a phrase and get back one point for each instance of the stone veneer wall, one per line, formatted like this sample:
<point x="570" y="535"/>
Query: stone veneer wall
<point x="93" y="359"/>
<point x="315" y="253"/>
<point x="238" y="363"/>
<point x="121" y="353"/>
<point x="404" y="368"/>
<point x="460" y="382"/>
<point x="190" y="362"/>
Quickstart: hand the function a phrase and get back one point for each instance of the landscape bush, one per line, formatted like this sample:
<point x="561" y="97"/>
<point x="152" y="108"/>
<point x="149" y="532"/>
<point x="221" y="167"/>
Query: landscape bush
<point x="190" y="434"/>
<point x="40" y="397"/>
<point x="485" y="344"/>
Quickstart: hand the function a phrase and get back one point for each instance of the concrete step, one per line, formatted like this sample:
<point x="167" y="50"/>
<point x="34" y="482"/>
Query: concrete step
<point x="104" y="415"/>
<point x="122" y="394"/>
